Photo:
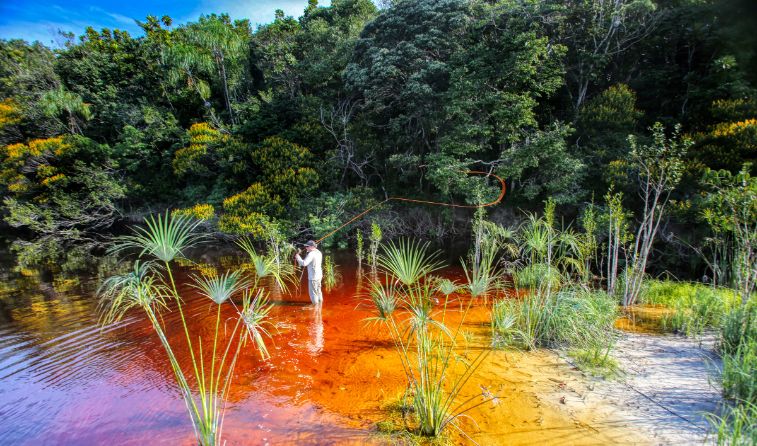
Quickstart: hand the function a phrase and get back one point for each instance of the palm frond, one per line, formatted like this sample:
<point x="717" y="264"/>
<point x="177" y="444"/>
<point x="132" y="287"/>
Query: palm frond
<point x="164" y="237"/>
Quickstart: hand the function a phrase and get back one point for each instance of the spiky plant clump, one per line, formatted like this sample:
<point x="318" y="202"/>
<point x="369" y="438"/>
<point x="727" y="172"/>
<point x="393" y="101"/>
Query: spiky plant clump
<point x="384" y="297"/>
<point x="446" y="287"/>
<point x="331" y="275"/>
<point x="221" y="287"/>
<point x="408" y="261"/>
<point x="266" y="265"/>
<point x="254" y="314"/>
<point x="135" y="289"/>
<point x="164" y="237"/>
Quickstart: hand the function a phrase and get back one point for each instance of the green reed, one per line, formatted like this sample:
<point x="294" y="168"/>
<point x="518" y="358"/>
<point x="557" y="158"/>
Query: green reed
<point x="150" y="287"/>
<point x="427" y="346"/>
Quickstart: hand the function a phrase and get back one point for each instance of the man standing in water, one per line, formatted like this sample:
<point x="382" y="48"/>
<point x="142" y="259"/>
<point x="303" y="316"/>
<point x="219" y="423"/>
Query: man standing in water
<point x="313" y="261"/>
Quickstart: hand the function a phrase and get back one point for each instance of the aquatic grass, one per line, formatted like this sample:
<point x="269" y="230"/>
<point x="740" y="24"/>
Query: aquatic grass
<point x="134" y="289"/>
<point x="331" y="274"/>
<point x="740" y="373"/>
<point x="446" y="286"/>
<point x="739" y="327"/>
<point x="254" y="315"/>
<point x="220" y="288"/>
<point x="485" y="277"/>
<point x="427" y="347"/>
<point x="266" y="265"/>
<point x="212" y="387"/>
<point x="383" y="295"/>
<point x="138" y="288"/>
<point x="737" y="426"/>
<point x="408" y="261"/>
<point x="537" y="275"/>
<point x="696" y="307"/>
<point x="166" y="239"/>
<point x="575" y="318"/>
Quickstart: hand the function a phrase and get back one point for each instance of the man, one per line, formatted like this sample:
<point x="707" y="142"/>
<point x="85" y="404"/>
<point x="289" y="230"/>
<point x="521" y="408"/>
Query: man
<point x="313" y="261"/>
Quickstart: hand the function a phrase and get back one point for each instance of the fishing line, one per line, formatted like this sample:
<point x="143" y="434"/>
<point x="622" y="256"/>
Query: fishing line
<point x="499" y="198"/>
<point x="432" y="203"/>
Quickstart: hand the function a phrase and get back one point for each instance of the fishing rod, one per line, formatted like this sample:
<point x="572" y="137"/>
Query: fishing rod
<point x="503" y="189"/>
<point x="499" y="198"/>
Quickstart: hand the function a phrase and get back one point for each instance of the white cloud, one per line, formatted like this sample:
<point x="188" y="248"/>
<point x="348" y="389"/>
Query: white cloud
<point x="119" y="18"/>
<point x="45" y="32"/>
<point x="257" y="11"/>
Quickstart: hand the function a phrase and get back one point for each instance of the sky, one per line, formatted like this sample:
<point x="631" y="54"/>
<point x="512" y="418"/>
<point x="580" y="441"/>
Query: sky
<point x="41" y="19"/>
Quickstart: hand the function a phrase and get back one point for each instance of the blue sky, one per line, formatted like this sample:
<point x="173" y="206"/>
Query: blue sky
<point x="40" y="19"/>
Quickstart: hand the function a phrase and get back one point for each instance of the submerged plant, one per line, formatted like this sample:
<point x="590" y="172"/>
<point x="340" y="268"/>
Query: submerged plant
<point x="359" y="249"/>
<point x="375" y="239"/>
<point x="266" y="265"/>
<point x="575" y="318"/>
<point x="446" y="286"/>
<point x="254" y="316"/>
<point x="331" y="275"/>
<point x="483" y="278"/>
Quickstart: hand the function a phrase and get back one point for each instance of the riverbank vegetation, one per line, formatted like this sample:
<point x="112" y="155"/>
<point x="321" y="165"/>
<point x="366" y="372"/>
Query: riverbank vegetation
<point x="626" y="132"/>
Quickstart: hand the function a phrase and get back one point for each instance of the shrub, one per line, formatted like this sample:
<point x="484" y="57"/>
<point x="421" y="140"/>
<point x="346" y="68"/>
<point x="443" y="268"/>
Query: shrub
<point x="574" y="318"/>
<point x="695" y="306"/>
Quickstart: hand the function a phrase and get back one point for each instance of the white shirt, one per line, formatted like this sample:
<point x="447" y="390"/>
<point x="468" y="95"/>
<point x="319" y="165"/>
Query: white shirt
<point x="313" y="261"/>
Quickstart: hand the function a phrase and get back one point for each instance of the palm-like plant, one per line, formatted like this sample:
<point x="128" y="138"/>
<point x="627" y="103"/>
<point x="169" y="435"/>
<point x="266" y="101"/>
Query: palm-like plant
<point x="166" y="238"/>
<point x="213" y="387"/>
<point x="408" y="261"/>
<point x="254" y="314"/>
<point x="446" y="286"/>
<point x="485" y="277"/>
<point x="221" y="287"/>
<point x="426" y="345"/>
<point x="135" y="289"/>
<point x="266" y="266"/>
<point x="383" y="295"/>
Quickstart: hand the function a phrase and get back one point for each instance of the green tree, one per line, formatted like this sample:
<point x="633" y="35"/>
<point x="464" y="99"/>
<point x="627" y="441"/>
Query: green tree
<point x="58" y="102"/>
<point x="213" y="51"/>
<point x="61" y="188"/>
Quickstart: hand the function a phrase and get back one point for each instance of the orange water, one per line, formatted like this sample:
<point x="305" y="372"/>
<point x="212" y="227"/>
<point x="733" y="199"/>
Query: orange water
<point x="330" y="378"/>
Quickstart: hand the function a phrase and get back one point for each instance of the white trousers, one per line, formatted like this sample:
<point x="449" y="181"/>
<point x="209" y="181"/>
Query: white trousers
<point x="314" y="289"/>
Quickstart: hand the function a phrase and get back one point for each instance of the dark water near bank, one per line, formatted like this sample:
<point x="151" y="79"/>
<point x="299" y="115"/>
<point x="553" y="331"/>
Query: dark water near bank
<point x="65" y="379"/>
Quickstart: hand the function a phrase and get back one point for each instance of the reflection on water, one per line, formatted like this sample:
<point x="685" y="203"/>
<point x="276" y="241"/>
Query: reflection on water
<point x="315" y="331"/>
<point x="66" y="380"/>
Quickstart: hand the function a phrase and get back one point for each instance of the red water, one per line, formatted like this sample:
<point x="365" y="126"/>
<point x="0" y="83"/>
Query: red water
<point x="66" y="380"/>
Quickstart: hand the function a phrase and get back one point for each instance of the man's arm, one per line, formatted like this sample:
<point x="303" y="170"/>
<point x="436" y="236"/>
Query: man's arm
<point x="306" y="262"/>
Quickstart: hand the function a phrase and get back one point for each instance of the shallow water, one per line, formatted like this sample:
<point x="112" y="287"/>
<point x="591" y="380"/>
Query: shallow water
<point x="66" y="380"/>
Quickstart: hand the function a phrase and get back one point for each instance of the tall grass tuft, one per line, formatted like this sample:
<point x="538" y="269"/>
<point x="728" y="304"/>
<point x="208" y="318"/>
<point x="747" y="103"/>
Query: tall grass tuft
<point x="266" y="265"/>
<point x="696" y="307"/>
<point x="575" y="318"/>
<point x="483" y="277"/>
<point x="737" y="426"/>
<point x="147" y="287"/>
<point x="428" y="348"/>
<point x="408" y="261"/>
<point x="331" y="274"/>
